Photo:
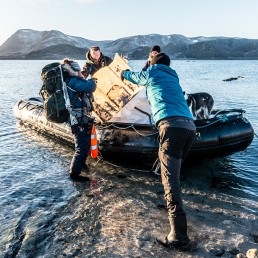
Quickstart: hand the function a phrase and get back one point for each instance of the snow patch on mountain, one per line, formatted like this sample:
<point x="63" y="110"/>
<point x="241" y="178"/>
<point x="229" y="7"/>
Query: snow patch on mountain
<point x="27" y="43"/>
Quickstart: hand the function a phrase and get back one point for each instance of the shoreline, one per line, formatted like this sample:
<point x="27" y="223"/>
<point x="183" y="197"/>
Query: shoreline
<point x="119" y="213"/>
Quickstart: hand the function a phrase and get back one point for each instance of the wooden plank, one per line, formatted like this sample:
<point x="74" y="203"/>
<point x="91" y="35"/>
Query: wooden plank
<point x="112" y="93"/>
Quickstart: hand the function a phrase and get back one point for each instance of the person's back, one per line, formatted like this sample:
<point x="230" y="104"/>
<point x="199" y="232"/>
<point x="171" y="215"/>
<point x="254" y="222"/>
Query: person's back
<point x="94" y="61"/>
<point x="163" y="91"/>
<point x="165" y="94"/>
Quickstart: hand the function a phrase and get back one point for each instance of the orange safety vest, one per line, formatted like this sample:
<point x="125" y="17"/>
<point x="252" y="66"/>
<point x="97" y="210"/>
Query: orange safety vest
<point x="94" y="143"/>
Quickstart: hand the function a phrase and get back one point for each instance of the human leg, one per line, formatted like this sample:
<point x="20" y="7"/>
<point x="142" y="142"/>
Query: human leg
<point x="82" y="147"/>
<point x="172" y="142"/>
<point x="170" y="174"/>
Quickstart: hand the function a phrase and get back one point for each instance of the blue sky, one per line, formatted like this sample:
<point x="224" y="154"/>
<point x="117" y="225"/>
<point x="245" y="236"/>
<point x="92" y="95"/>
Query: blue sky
<point x="113" y="19"/>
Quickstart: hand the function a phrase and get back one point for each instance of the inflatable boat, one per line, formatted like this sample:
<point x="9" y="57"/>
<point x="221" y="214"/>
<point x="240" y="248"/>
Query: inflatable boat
<point x="224" y="133"/>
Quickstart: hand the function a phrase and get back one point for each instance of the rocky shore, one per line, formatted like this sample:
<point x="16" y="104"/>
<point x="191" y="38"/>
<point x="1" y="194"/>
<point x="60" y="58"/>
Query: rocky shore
<point x="120" y="211"/>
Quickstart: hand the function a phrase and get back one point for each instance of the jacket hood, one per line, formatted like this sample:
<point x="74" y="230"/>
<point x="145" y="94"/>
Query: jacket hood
<point x="67" y="68"/>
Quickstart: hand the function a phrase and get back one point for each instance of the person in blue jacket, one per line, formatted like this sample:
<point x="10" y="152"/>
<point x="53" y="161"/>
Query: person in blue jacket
<point x="176" y="134"/>
<point x="80" y="94"/>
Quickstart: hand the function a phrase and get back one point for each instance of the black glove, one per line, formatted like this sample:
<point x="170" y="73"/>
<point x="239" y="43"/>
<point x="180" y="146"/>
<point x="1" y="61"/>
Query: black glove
<point x="122" y="74"/>
<point x="95" y="80"/>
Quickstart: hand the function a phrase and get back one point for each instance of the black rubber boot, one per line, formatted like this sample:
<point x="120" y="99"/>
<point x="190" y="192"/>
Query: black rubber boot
<point x="178" y="232"/>
<point x="174" y="244"/>
<point x="177" y="237"/>
<point x="79" y="178"/>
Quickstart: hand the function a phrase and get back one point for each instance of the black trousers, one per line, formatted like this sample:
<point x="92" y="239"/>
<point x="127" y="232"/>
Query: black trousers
<point x="82" y="147"/>
<point x="174" y="145"/>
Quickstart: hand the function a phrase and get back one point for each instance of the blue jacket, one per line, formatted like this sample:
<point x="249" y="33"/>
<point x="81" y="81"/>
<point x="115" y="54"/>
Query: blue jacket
<point x="77" y="85"/>
<point x="163" y="91"/>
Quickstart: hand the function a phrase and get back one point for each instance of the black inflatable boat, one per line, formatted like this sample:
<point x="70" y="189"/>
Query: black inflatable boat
<point x="226" y="132"/>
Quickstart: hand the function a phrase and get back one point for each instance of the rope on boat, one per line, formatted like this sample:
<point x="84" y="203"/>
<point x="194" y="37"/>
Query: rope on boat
<point x="219" y="119"/>
<point x="21" y="101"/>
<point x="144" y="135"/>
<point x="27" y="104"/>
<point x="225" y="111"/>
<point x="223" y="118"/>
<point x="255" y="135"/>
<point x="132" y="126"/>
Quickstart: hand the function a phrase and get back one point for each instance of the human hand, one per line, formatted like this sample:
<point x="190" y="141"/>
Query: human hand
<point x="122" y="74"/>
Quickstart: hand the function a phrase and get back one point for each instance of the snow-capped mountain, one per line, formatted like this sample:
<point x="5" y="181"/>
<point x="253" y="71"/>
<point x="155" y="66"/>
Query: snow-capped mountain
<point x="31" y="44"/>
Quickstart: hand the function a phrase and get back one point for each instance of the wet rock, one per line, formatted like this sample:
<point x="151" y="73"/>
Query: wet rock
<point x="252" y="253"/>
<point x="226" y="222"/>
<point x="254" y="234"/>
<point x="161" y="206"/>
<point x="121" y="176"/>
<point x="240" y="255"/>
<point x="143" y="235"/>
<point x="160" y="191"/>
<point x="218" y="252"/>
<point x="234" y="250"/>
<point x="90" y="195"/>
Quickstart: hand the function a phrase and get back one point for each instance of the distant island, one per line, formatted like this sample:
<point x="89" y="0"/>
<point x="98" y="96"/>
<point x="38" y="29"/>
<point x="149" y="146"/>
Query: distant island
<point x="54" y="45"/>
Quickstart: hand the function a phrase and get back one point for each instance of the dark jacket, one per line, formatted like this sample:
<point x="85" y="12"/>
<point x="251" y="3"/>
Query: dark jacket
<point x="91" y="67"/>
<point x="76" y="87"/>
<point x="147" y="65"/>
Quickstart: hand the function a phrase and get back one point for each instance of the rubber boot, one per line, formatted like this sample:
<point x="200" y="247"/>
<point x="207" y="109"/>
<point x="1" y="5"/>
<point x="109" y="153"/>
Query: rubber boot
<point x="178" y="234"/>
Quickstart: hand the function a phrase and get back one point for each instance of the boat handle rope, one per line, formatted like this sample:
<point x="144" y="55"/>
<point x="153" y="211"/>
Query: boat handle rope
<point x="127" y="127"/>
<point x="27" y="104"/>
<point x="219" y="119"/>
<point x="31" y="108"/>
<point x="144" y="135"/>
<point x="113" y="124"/>
<point x="226" y="111"/>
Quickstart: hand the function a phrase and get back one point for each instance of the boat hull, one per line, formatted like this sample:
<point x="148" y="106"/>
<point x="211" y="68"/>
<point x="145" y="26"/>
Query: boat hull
<point x="226" y="133"/>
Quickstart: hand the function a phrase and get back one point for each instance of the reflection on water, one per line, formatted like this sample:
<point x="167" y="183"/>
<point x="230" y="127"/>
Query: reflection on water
<point x="222" y="174"/>
<point x="44" y="213"/>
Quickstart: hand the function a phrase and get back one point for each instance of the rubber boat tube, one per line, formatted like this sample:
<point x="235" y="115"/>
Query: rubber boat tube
<point x="227" y="132"/>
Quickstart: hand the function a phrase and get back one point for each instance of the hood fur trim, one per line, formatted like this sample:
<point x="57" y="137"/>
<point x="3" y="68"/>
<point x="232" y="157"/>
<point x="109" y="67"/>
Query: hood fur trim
<point x="68" y="69"/>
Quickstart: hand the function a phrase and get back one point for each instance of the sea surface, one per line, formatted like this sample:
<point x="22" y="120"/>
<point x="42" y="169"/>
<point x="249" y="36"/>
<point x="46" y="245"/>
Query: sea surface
<point x="37" y="197"/>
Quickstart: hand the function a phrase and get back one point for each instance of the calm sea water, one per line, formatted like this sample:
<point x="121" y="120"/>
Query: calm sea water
<point x="35" y="189"/>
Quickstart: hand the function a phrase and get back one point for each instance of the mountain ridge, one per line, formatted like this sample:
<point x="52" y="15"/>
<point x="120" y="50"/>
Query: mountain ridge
<point x="53" y="45"/>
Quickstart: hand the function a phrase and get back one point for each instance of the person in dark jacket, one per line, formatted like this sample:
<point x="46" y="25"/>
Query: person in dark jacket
<point x="176" y="134"/>
<point x="80" y="94"/>
<point x="154" y="51"/>
<point x="94" y="61"/>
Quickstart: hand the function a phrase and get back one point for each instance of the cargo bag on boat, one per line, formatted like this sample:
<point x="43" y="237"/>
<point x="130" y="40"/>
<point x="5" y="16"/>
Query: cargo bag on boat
<point x="52" y="93"/>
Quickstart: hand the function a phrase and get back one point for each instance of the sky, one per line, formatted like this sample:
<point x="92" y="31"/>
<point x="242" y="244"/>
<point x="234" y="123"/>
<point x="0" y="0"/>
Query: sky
<point x="113" y="19"/>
